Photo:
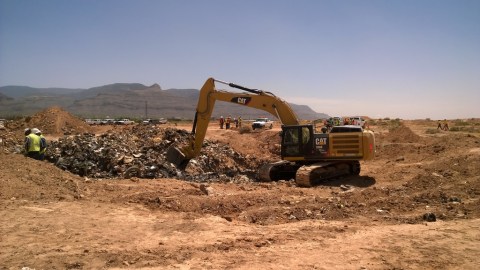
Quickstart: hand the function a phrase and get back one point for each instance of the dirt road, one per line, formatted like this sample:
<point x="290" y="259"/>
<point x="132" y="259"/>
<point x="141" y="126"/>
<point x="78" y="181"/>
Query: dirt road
<point x="382" y="219"/>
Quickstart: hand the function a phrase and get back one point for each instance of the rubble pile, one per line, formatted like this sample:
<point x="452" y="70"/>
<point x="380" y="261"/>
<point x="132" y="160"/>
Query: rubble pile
<point x="141" y="152"/>
<point x="11" y="136"/>
<point x="9" y="142"/>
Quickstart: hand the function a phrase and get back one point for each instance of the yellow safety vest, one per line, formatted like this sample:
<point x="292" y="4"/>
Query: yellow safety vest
<point x="34" y="143"/>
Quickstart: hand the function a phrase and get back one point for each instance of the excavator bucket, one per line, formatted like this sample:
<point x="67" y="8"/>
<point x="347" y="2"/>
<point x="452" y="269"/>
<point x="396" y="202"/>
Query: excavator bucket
<point x="175" y="156"/>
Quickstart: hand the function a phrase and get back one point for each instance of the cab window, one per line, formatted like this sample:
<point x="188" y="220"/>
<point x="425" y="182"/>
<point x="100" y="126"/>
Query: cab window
<point x="305" y="135"/>
<point x="291" y="137"/>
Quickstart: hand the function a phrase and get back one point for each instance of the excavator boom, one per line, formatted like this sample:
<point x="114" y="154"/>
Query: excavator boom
<point x="255" y="98"/>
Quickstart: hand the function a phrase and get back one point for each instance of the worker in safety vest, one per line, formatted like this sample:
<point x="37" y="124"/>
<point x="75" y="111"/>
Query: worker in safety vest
<point x="32" y="144"/>
<point x="43" y="143"/>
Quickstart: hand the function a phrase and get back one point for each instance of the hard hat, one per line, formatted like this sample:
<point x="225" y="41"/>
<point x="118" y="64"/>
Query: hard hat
<point x="36" y="130"/>
<point x="27" y="129"/>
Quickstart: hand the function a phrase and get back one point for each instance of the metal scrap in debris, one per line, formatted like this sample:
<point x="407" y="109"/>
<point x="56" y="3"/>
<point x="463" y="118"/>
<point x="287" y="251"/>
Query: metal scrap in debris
<point x="141" y="152"/>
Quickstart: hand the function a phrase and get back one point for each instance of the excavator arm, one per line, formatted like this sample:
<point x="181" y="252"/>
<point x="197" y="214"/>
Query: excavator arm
<point x="254" y="98"/>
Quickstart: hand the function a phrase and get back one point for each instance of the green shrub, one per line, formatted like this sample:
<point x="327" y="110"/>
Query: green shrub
<point x="432" y="131"/>
<point x="461" y="123"/>
<point x="394" y="124"/>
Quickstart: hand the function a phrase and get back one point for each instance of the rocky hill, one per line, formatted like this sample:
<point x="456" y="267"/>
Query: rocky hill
<point x="4" y="97"/>
<point x="132" y="100"/>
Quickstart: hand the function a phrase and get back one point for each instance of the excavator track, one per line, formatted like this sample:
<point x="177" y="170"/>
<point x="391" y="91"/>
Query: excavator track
<point x="309" y="175"/>
<point x="276" y="171"/>
<point x="264" y="171"/>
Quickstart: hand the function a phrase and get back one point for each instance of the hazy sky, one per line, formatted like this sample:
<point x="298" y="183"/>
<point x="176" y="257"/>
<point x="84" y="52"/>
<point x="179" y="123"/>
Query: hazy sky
<point x="409" y="59"/>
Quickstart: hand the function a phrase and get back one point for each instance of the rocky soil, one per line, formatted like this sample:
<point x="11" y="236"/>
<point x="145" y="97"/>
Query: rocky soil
<point x="416" y="206"/>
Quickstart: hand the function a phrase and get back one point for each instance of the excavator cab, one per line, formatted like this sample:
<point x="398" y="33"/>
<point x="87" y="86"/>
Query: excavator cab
<point x="297" y="142"/>
<point x="302" y="143"/>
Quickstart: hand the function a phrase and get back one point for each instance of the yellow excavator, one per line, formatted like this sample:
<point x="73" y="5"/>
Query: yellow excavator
<point x="307" y="156"/>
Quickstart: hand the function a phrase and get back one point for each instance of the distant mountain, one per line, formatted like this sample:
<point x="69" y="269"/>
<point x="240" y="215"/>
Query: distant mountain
<point x="4" y="97"/>
<point x="125" y="100"/>
<point x="24" y="91"/>
<point x="186" y="93"/>
<point x="110" y="88"/>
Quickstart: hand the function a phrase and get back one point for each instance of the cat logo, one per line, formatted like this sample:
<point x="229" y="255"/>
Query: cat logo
<point x="241" y="100"/>
<point x="320" y="141"/>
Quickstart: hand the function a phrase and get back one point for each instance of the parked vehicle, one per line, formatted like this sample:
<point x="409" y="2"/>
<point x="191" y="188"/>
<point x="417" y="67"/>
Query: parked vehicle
<point x="357" y="121"/>
<point x="124" y="121"/>
<point x="154" y="121"/>
<point x="108" y="121"/>
<point x="262" y="123"/>
<point x="93" y="122"/>
<point x="162" y="121"/>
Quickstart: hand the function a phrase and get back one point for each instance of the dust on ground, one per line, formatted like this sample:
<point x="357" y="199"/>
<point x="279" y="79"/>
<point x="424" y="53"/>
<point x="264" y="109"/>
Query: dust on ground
<point x="416" y="206"/>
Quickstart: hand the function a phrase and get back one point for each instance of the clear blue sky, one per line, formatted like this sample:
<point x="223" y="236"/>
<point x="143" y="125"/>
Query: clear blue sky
<point x="410" y="59"/>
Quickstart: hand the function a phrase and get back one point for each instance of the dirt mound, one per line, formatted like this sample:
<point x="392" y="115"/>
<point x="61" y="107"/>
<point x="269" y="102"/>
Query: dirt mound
<point x="56" y="121"/>
<point x="28" y="179"/>
<point x="262" y="144"/>
<point x="53" y="122"/>
<point x="270" y="141"/>
<point x="402" y="134"/>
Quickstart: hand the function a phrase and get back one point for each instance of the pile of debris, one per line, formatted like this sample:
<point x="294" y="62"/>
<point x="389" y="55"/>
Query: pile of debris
<point x="141" y="152"/>
<point x="10" y="143"/>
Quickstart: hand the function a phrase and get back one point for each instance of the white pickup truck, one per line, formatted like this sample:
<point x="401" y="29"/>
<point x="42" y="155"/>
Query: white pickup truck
<point x="262" y="123"/>
<point x="124" y="122"/>
<point x="357" y="121"/>
<point x="155" y="121"/>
